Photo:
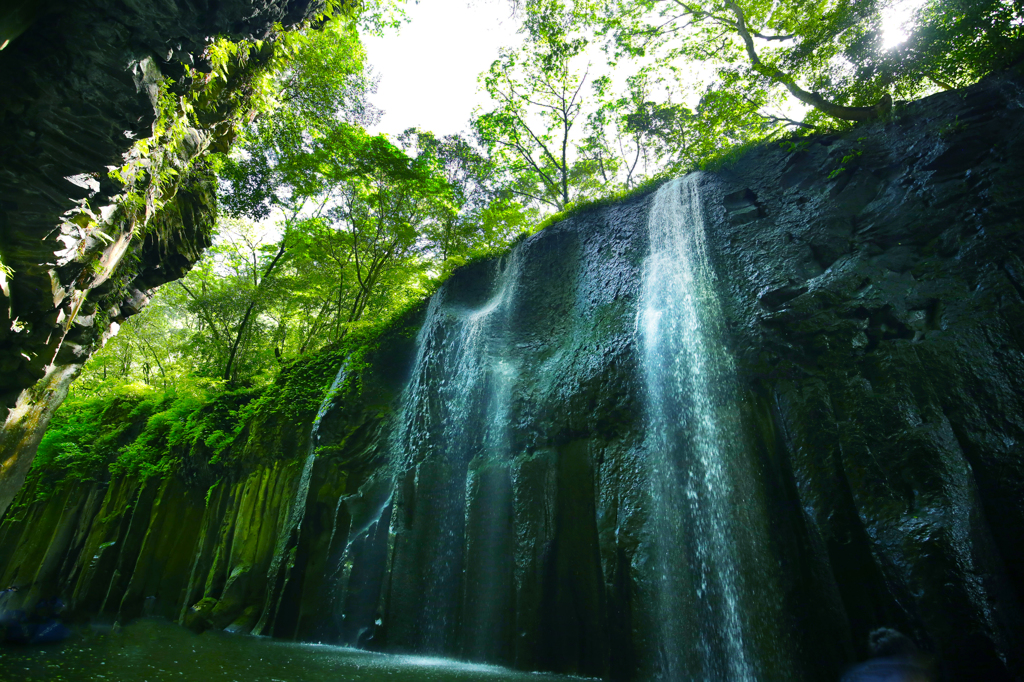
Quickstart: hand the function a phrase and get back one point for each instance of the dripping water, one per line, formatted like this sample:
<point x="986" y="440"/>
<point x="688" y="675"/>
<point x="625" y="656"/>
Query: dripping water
<point x="487" y="578"/>
<point x="455" y="407"/>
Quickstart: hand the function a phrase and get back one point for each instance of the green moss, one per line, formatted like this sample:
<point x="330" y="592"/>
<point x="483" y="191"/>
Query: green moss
<point x="137" y="431"/>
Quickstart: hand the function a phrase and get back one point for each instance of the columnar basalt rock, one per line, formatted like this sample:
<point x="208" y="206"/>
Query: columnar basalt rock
<point x="80" y="82"/>
<point x="873" y="302"/>
<point x="877" y="305"/>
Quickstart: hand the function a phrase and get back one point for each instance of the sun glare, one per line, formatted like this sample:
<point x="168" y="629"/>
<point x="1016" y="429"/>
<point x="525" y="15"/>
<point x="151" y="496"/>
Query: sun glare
<point x="897" y="22"/>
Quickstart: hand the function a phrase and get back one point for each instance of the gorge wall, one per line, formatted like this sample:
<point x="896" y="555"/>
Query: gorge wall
<point x="81" y="83"/>
<point x="525" y="471"/>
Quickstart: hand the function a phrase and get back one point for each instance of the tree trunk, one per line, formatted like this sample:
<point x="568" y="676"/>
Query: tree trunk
<point x="248" y="312"/>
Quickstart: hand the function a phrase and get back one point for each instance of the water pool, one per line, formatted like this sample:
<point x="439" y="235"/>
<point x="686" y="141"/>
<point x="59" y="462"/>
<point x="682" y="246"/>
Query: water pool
<point x="157" y="651"/>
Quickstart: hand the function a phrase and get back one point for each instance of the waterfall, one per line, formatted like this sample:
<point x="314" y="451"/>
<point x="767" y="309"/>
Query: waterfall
<point x="699" y="479"/>
<point x="488" y="575"/>
<point x="455" y="407"/>
<point x="449" y="371"/>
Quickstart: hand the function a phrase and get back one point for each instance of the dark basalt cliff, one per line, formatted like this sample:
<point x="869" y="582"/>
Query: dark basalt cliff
<point x="482" y="489"/>
<point x="79" y="82"/>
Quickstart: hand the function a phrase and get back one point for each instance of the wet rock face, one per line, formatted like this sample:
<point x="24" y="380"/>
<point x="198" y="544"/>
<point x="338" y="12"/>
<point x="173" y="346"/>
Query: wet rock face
<point x="43" y="351"/>
<point x="880" y="311"/>
<point x="488" y="494"/>
<point x="124" y="549"/>
<point x="79" y="83"/>
<point x="869" y="285"/>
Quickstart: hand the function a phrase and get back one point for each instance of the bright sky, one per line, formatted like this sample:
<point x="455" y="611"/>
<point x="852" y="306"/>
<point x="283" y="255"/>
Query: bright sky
<point x="894" y="22"/>
<point x="428" y="71"/>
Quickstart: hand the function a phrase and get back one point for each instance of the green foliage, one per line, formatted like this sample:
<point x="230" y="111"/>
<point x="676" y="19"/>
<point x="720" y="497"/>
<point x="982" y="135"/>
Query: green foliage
<point x="364" y="221"/>
<point x="181" y="135"/>
<point x="356" y="229"/>
<point x="136" y="430"/>
<point x="232" y="81"/>
<point x="646" y="187"/>
<point x="727" y="156"/>
<point x="539" y="95"/>
<point x="633" y="137"/>
<point x="952" y="128"/>
<point x="751" y="46"/>
<point x="764" y="56"/>
<point x="953" y="43"/>
<point x="848" y="160"/>
<point x="211" y="490"/>
<point x="298" y="390"/>
<point x="91" y="432"/>
<point x="545" y="90"/>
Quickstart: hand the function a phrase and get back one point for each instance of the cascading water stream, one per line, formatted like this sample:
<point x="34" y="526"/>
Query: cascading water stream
<point x="458" y="392"/>
<point x="694" y="449"/>
<point x="488" y="526"/>
<point x="457" y="364"/>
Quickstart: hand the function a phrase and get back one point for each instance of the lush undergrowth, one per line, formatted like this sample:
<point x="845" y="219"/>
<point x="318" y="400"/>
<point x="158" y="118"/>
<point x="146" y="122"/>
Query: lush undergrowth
<point x="199" y="427"/>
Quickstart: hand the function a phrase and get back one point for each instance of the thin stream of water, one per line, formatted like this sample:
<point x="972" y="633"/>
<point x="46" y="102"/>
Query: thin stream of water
<point x="455" y="405"/>
<point x="474" y="391"/>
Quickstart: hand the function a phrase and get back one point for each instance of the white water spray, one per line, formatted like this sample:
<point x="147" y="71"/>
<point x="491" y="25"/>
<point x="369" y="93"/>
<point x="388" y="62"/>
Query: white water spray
<point x="459" y="383"/>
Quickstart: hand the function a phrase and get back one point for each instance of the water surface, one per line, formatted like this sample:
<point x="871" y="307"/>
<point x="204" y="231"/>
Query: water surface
<point x="155" y="651"/>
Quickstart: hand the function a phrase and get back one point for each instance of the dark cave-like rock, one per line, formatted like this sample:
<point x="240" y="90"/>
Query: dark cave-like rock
<point x="79" y="83"/>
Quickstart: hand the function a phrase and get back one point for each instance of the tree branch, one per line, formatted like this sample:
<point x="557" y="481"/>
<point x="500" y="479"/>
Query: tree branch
<point x="883" y="107"/>
<point x="242" y="327"/>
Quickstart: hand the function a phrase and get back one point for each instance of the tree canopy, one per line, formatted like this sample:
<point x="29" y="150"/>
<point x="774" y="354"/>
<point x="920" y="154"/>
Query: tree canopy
<point x="327" y="227"/>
